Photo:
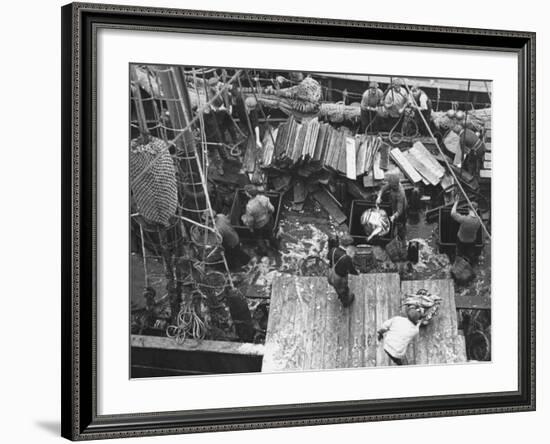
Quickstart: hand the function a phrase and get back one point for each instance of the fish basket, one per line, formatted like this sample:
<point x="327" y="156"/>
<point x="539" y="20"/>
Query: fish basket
<point x="153" y="180"/>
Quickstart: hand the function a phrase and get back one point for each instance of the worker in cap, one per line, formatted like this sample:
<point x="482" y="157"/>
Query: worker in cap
<point x="340" y="259"/>
<point x="370" y="101"/>
<point x="469" y="225"/>
<point x="258" y="217"/>
<point x="394" y="193"/>
<point x="396" y="99"/>
<point x="398" y="332"/>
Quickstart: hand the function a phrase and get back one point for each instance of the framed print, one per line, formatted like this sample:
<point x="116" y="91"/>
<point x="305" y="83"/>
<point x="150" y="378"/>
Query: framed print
<point x="283" y="221"/>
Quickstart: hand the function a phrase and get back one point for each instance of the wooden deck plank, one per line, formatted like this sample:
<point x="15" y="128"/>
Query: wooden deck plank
<point x="304" y="290"/>
<point x="317" y="309"/>
<point x="382" y="315"/>
<point x="225" y="347"/>
<point x="369" y="303"/>
<point x="333" y="308"/>
<point x="277" y="313"/>
<point x="357" y="323"/>
<point x="342" y="335"/>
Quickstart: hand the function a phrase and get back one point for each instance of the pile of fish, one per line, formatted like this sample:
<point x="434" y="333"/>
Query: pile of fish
<point x="376" y="222"/>
<point x="425" y="303"/>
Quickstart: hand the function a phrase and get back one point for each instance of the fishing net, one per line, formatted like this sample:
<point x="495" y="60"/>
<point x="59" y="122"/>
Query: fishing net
<point x="153" y="180"/>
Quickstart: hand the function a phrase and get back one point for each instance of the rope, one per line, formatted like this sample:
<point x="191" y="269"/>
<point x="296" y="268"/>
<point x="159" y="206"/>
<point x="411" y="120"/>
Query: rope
<point x="188" y="324"/>
<point x="447" y="162"/>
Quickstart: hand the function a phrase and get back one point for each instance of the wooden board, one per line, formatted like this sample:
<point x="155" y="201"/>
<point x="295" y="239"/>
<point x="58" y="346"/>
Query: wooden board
<point x="377" y="172"/>
<point x="384" y="155"/>
<point x="485" y="174"/>
<point x="405" y="166"/>
<point x="225" y="347"/>
<point x="423" y="155"/>
<point x="330" y="206"/>
<point x="428" y="177"/>
<point x="350" y="158"/>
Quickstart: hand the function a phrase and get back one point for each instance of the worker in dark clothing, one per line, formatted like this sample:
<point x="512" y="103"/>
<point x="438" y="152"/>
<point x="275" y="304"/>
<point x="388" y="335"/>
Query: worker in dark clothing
<point x="341" y="265"/>
<point x="467" y="232"/>
<point x="369" y="103"/>
<point x="472" y="150"/>
<point x="231" y="242"/>
<point x="396" y="194"/>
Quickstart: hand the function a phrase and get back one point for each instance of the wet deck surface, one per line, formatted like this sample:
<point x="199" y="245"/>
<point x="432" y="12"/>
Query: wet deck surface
<point x="309" y="329"/>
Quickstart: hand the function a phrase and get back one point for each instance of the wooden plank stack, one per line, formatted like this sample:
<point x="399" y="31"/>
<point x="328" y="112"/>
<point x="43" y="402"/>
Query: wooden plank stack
<point x="311" y="145"/>
<point x="315" y="144"/>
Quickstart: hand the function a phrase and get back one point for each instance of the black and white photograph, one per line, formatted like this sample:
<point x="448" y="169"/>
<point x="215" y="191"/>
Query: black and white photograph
<point x="293" y="221"/>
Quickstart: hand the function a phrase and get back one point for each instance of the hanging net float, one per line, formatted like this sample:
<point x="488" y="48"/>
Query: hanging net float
<point x="153" y="179"/>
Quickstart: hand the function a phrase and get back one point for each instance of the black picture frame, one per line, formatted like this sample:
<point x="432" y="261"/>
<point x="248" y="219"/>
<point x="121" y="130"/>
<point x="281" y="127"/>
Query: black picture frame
<point x="80" y="23"/>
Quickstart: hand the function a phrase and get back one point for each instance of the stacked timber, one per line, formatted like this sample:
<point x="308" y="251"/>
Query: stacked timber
<point x="310" y="146"/>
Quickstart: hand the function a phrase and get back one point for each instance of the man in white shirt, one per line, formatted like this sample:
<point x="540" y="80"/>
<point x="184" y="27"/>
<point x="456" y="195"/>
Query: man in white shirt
<point x="421" y="99"/>
<point x="398" y="332"/>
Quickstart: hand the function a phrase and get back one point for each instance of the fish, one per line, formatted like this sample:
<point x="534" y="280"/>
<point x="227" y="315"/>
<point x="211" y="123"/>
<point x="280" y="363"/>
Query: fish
<point x="375" y="222"/>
